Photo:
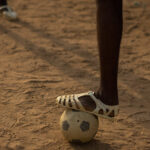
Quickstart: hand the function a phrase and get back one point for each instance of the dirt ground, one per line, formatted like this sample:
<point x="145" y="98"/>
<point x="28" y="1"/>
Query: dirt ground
<point x="52" y="50"/>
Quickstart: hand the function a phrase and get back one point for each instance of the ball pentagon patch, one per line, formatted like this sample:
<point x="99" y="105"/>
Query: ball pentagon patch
<point x="84" y="126"/>
<point x="65" y="125"/>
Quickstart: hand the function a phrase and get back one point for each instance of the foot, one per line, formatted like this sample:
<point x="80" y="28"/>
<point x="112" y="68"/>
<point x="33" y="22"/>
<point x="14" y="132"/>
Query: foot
<point x="8" y="12"/>
<point x="88" y="102"/>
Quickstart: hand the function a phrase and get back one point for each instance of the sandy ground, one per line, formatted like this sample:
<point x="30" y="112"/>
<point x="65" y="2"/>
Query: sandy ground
<point x="52" y="50"/>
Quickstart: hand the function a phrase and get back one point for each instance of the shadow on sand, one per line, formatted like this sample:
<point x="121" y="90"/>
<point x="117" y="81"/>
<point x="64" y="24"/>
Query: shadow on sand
<point x="51" y="57"/>
<point x="92" y="145"/>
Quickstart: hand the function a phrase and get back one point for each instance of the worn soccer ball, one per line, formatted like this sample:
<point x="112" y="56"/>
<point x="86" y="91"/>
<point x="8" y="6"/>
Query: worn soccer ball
<point x="78" y="126"/>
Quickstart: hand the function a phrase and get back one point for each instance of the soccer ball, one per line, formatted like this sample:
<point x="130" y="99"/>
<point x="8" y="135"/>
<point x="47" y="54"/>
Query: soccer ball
<point x="78" y="126"/>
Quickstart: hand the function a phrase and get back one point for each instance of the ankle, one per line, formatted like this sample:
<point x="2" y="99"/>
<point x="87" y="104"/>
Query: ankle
<point x="107" y="98"/>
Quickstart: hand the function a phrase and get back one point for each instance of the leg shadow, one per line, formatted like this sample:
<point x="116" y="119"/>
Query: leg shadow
<point x="81" y="75"/>
<point x="76" y="48"/>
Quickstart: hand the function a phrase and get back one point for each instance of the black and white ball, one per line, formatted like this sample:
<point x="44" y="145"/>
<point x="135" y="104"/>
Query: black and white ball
<point x="78" y="126"/>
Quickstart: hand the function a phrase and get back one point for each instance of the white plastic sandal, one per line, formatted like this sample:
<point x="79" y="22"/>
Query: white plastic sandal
<point x="8" y="12"/>
<point x="100" y="109"/>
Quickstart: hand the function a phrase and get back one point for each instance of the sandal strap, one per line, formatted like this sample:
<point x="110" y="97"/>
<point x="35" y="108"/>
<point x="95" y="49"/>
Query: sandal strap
<point x="72" y="101"/>
<point x="5" y="7"/>
<point x="107" y="109"/>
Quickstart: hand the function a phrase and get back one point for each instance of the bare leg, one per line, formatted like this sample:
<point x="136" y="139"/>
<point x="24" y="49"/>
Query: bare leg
<point x="3" y="2"/>
<point x="109" y="29"/>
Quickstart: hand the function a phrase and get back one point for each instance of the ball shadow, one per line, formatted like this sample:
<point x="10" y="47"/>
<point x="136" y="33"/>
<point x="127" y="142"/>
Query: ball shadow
<point x="92" y="145"/>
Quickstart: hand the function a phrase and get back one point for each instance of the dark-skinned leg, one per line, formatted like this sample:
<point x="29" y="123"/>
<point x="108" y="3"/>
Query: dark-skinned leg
<point x="109" y="29"/>
<point x="109" y="33"/>
<point x="3" y="2"/>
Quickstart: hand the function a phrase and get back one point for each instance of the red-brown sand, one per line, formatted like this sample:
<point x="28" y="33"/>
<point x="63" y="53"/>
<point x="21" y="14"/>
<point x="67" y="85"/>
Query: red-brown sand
<point x="52" y="50"/>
